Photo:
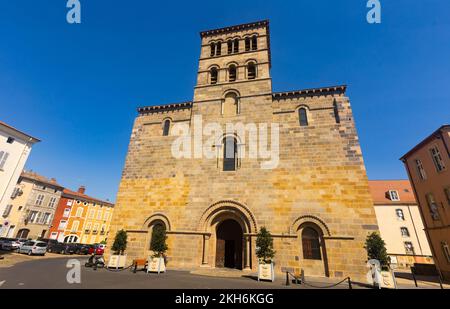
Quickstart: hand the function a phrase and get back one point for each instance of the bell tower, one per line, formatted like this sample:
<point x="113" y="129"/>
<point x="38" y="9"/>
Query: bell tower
<point x="234" y="58"/>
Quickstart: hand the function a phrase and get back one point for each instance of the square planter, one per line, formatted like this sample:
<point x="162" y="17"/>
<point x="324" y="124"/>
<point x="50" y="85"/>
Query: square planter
<point x="117" y="261"/>
<point x="266" y="272"/>
<point x="156" y="265"/>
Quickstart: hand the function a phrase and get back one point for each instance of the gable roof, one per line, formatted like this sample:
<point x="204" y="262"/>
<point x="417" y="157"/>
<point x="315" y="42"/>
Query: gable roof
<point x="378" y="189"/>
<point x="83" y="197"/>
<point x="18" y="132"/>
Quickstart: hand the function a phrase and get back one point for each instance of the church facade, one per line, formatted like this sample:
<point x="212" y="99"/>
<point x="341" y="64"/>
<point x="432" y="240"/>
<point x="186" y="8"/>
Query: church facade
<point x="315" y="200"/>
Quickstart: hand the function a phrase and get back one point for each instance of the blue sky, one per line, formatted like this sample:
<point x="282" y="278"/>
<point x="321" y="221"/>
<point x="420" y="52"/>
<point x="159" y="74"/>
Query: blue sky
<point x="77" y="87"/>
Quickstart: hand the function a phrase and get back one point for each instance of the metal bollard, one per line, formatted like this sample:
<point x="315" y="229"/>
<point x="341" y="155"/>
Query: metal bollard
<point x="349" y="283"/>
<point x="440" y="282"/>
<point x="287" y="279"/>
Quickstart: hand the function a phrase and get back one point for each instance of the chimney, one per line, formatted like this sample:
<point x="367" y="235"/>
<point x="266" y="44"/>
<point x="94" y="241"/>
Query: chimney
<point x="53" y="180"/>
<point x="81" y="189"/>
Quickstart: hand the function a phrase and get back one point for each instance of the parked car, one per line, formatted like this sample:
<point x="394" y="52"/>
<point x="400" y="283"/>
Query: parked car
<point x="51" y="243"/>
<point x="2" y="240"/>
<point x="62" y="248"/>
<point x="31" y="247"/>
<point x="82" y="249"/>
<point x="97" y="249"/>
<point x="11" y="244"/>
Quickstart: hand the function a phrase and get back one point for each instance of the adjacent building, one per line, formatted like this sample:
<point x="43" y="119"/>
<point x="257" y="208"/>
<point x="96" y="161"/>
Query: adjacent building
<point x="32" y="206"/>
<point x="428" y="165"/>
<point x="314" y="198"/>
<point x="81" y="218"/>
<point x="400" y="223"/>
<point x="15" y="147"/>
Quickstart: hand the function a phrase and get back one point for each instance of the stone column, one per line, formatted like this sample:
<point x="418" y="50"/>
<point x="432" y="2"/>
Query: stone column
<point x="205" y="249"/>
<point x="247" y="252"/>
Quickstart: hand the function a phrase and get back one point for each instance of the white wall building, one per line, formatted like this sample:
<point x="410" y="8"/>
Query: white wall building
<point x="15" y="147"/>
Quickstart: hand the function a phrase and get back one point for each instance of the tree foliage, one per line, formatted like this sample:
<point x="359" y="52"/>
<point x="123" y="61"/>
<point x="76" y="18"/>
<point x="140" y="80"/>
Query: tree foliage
<point x="376" y="249"/>
<point x="120" y="242"/>
<point x="158" y="243"/>
<point x="264" y="246"/>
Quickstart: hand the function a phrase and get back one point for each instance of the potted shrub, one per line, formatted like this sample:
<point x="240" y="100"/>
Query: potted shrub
<point x="158" y="245"/>
<point x="265" y="254"/>
<point x="379" y="261"/>
<point x="118" y="259"/>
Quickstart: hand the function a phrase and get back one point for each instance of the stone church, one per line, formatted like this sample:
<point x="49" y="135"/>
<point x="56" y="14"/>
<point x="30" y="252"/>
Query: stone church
<point x="315" y="202"/>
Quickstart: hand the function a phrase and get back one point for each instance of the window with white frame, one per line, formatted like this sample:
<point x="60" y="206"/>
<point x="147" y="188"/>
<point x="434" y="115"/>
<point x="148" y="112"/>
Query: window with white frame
<point x="106" y="216"/>
<point x="7" y="211"/>
<point x="69" y="203"/>
<point x="432" y="205"/>
<point x="409" y="248"/>
<point x="66" y="213"/>
<point x="404" y="231"/>
<point x="91" y="213"/>
<point x="52" y="202"/>
<point x="420" y="169"/>
<point x="437" y="159"/>
<point x="99" y="214"/>
<point x="446" y="251"/>
<point x="75" y="225"/>
<point x="400" y="214"/>
<point x="3" y="157"/>
<point x="95" y="227"/>
<point x="39" y="200"/>
<point x="32" y="216"/>
<point x="79" y="212"/>
<point x="46" y="218"/>
<point x="88" y="226"/>
<point x="393" y="195"/>
<point x="62" y="225"/>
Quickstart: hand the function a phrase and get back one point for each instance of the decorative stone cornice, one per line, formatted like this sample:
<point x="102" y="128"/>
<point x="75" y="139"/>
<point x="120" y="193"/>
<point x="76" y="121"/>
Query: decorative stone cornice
<point x="311" y="92"/>
<point x="241" y="27"/>
<point x="164" y="108"/>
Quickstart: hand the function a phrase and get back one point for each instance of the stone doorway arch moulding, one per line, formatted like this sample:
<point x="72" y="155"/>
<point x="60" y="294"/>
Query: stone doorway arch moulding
<point x="218" y="212"/>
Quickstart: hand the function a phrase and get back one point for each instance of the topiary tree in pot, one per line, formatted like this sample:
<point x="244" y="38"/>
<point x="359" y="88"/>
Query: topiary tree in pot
<point x="376" y="250"/>
<point x="117" y="260"/>
<point x="159" y="246"/>
<point x="265" y="254"/>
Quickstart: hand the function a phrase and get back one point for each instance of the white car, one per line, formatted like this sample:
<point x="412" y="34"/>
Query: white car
<point x="11" y="244"/>
<point x="34" y="247"/>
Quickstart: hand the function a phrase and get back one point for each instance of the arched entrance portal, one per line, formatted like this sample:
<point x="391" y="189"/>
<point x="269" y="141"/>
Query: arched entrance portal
<point x="229" y="249"/>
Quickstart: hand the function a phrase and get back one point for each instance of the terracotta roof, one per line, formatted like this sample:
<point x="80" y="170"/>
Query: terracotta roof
<point x="379" y="188"/>
<point x="35" y="140"/>
<point x="165" y="107"/>
<point x="35" y="176"/>
<point x="84" y="197"/>
<point x="435" y="134"/>
<point x="311" y="91"/>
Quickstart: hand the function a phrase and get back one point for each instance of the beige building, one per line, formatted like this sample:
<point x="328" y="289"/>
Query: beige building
<point x="428" y="165"/>
<point x="313" y="196"/>
<point x="33" y="206"/>
<point x="400" y="224"/>
<point x="15" y="147"/>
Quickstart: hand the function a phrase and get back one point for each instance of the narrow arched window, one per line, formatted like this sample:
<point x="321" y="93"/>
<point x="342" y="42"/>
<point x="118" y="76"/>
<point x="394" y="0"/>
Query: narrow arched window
<point x="166" y="127"/>
<point x="232" y="73"/>
<point x="247" y="44"/>
<point x="230" y="47"/>
<point x="229" y="154"/>
<point x="251" y="71"/>
<point x="213" y="49"/>
<point x="336" y="112"/>
<point x="254" y="43"/>
<point x="218" y="49"/>
<point x="230" y="105"/>
<point x="311" y="244"/>
<point x="213" y="75"/>
<point x="236" y="45"/>
<point x="303" y="117"/>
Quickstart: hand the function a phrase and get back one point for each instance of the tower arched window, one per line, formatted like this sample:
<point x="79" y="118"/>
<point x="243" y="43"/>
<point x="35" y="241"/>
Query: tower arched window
<point x="247" y="44"/>
<point x="213" y="49"/>
<point x="229" y="153"/>
<point x="236" y="46"/>
<point x="213" y="75"/>
<point x="166" y="127"/>
<point x="230" y="104"/>
<point x="218" y="48"/>
<point x="230" y="47"/>
<point x="254" y="42"/>
<point x="311" y="244"/>
<point x="232" y="73"/>
<point x="251" y="70"/>
<point x="303" y="117"/>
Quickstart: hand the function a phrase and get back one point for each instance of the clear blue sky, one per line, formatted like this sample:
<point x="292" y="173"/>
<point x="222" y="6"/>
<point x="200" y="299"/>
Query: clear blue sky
<point x="77" y="86"/>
